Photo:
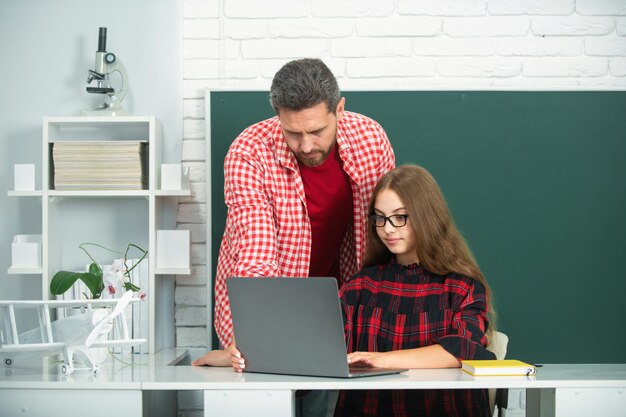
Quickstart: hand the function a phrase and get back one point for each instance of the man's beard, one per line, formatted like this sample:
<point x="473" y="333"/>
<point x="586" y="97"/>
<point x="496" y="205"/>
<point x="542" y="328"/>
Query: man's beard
<point x="315" y="158"/>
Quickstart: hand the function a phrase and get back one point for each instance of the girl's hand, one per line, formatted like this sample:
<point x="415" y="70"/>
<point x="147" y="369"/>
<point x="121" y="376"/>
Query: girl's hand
<point x="368" y="359"/>
<point x="433" y="356"/>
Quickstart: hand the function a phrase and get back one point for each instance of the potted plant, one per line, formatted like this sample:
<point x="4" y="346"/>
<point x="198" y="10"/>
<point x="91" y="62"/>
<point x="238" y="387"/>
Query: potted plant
<point x="94" y="277"/>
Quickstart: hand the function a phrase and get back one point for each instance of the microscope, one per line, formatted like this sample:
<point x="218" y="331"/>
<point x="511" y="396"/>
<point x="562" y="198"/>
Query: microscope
<point x="106" y="64"/>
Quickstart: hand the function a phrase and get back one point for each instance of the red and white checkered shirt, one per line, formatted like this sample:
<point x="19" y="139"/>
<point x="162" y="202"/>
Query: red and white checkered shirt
<point x="268" y="232"/>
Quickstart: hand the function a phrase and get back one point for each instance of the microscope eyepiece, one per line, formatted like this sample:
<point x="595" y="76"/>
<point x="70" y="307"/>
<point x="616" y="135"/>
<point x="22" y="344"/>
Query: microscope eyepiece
<point x="102" y="40"/>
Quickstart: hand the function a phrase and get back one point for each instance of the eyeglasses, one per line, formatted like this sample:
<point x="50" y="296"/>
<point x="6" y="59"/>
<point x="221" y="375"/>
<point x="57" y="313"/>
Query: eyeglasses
<point x="397" y="220"/>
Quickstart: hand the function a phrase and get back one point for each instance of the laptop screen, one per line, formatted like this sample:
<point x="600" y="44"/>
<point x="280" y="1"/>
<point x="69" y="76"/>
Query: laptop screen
<point x="289" y="325"/>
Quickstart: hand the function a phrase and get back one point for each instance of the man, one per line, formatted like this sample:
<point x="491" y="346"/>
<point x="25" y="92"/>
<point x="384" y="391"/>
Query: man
<point x="297" y="188"/>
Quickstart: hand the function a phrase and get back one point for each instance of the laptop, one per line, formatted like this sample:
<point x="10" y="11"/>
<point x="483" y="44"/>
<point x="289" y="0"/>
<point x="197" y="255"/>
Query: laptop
<point x="292" y="326"/>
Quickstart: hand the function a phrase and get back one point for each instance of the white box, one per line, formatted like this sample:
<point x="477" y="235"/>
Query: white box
<point x="26" y="251"/>
<point x="24" y="177"/>
<point x="171" y="177"/>
<point x="173" y="249"/>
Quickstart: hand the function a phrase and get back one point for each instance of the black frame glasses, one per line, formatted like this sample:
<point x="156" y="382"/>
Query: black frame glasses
<point x="396" y="220"/>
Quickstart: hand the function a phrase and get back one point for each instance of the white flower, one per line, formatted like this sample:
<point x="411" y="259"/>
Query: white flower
<point x="113" y="275"/>
<point x="113" y="278"/>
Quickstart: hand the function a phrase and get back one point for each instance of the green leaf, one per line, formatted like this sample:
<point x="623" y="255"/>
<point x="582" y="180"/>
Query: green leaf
<point x="62" y="281"/>
<point x="93" y="282"/>
<point x="129" y="286"/>
<point x="95" y="270"/>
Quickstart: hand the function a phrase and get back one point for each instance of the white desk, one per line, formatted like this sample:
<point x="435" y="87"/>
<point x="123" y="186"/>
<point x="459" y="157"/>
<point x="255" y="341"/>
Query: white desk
<point x="149" y="388"/>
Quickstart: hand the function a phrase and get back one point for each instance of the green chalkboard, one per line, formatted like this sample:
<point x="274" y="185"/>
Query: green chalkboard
<point x="536" y="182"/>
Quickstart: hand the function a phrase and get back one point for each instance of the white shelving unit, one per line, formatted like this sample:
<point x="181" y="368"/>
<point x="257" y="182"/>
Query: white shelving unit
<point x="24" y="271"/>
<point x="109" y="218"/>
<point x="35" y="193"/>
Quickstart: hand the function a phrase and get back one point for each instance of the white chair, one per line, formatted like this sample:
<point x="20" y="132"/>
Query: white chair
<point x="498" y="397"/>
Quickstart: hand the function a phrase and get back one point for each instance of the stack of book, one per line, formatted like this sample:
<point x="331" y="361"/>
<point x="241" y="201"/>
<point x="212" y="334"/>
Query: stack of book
<point x="100" y="165"/>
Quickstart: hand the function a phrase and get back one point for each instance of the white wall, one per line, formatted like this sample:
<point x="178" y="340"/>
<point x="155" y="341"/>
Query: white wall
<point x="46" y="48"/>
<point x="382" y="44"/>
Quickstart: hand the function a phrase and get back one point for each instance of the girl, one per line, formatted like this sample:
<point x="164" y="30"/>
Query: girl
<point x="420" y="301"/>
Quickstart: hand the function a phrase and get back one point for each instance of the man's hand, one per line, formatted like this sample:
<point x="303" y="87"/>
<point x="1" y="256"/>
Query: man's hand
<point x="213" y="358"/>
<point x="237" y="361"/>
<point x="228" y="357"/>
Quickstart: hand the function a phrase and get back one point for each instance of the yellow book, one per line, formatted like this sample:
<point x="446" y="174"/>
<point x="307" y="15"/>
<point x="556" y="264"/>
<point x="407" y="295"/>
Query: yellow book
<point x="497" y="367"/>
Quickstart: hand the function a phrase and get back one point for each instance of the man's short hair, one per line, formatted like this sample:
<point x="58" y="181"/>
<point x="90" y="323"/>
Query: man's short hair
<point x="302" y="84"/>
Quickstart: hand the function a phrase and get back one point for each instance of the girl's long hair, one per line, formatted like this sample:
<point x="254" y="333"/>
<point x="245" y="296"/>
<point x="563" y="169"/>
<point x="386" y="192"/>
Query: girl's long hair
<point x="440" y="246"/>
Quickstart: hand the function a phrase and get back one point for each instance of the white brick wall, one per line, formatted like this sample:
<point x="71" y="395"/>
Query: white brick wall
<point x="352" y="8"/>
<point x="309" y="28"/>
<point x="380" y="44"/>
<point x="398" y="26"/>
<point x="572" y="26"/>
<point x="262" y="10"/>
<point x="442" y="8"/>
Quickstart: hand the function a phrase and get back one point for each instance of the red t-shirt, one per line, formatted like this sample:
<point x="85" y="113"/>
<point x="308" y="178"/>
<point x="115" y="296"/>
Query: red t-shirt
<point x="329" y="204"/>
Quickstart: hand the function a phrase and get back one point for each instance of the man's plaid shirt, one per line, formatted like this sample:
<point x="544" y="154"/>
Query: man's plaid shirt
<point x="268" y="232"/>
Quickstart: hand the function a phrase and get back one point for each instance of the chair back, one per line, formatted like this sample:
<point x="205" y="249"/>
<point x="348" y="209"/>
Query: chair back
<point x="497" y="344"/>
